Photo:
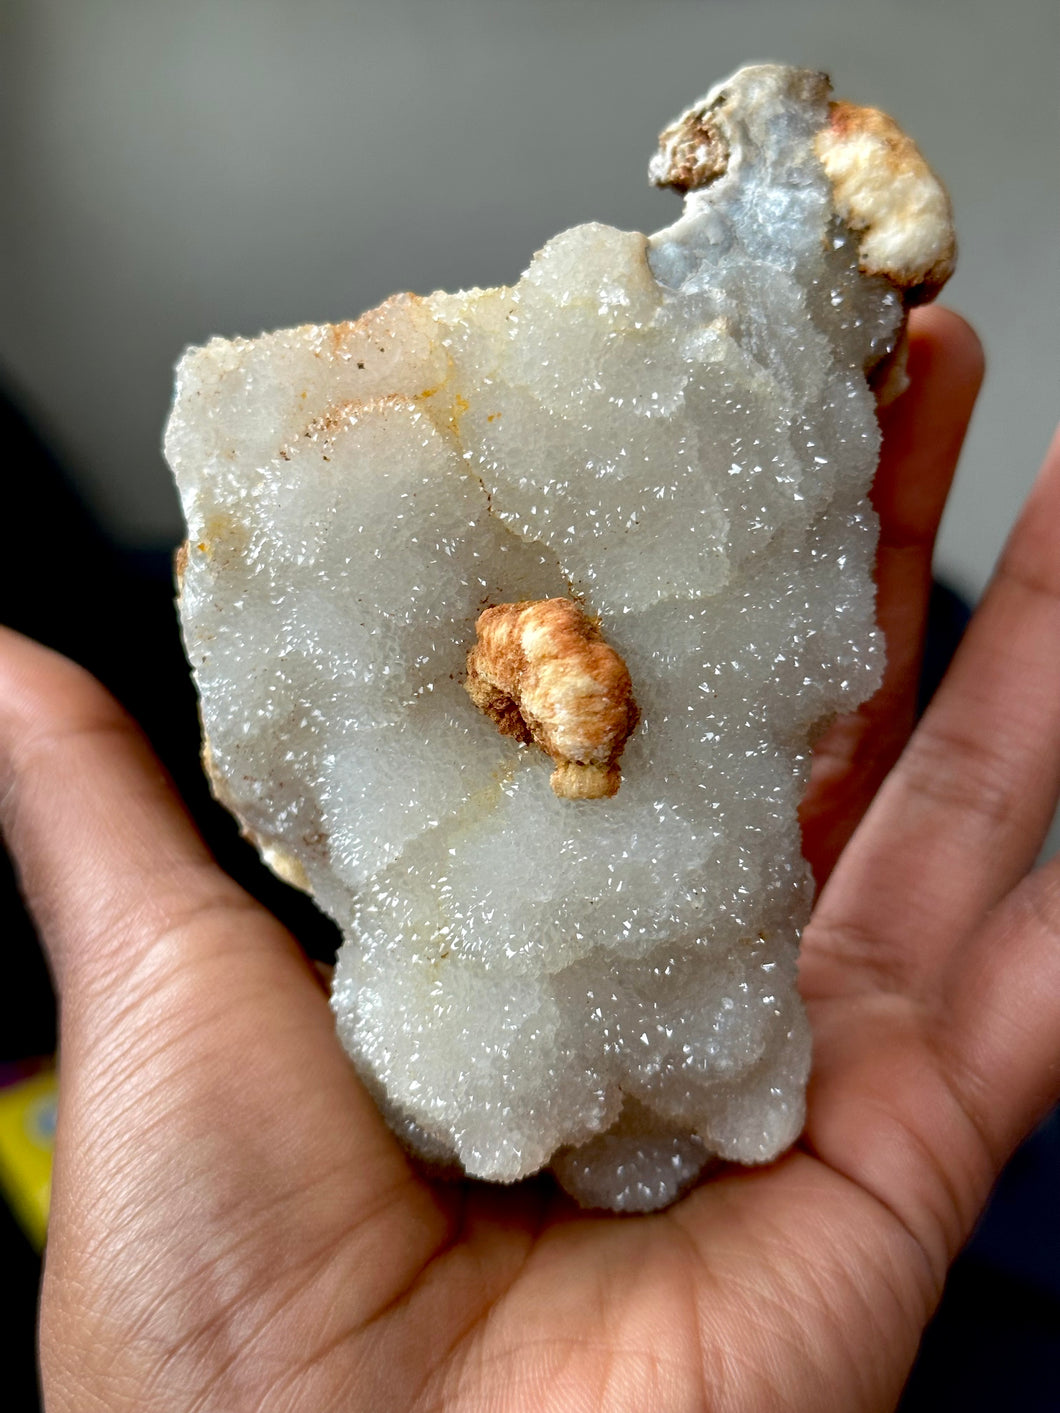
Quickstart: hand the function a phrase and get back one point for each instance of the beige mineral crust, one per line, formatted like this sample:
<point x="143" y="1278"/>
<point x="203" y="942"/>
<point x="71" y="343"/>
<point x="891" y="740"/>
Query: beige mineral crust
<point x="619" y="511"/>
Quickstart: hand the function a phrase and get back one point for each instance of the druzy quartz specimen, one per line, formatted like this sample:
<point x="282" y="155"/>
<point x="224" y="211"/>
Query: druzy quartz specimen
<point x="513" y="614"/>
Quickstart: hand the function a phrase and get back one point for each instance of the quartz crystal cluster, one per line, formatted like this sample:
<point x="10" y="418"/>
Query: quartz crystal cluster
<point x="671" y="438"/>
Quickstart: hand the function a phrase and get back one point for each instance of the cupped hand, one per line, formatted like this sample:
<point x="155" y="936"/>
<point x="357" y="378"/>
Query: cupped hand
<point x="233" y="1227"/>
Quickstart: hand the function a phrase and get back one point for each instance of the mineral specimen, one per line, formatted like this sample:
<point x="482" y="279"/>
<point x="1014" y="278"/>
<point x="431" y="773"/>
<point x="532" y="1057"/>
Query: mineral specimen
<point x="619" y="511"/>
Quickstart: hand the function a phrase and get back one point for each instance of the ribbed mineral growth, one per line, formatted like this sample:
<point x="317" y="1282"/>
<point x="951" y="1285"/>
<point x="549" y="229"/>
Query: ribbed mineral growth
<point x="617" y="511"/>
<point x="542" y="673"/>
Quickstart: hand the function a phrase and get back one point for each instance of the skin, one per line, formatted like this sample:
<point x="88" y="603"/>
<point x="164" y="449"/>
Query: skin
<point x="233" y="1227"/>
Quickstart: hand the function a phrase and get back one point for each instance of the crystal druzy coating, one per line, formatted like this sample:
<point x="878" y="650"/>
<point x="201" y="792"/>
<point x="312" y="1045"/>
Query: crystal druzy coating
<point x="676" y="434"/>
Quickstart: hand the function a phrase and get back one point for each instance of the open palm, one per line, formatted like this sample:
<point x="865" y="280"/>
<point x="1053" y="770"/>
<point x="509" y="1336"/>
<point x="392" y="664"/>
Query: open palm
<point x="234" y="1228"/>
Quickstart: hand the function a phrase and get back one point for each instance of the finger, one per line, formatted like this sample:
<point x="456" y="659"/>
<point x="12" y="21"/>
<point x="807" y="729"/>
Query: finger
<point x="214" y="1144"/>
<point x="172" y="980"/>
<point x="962" y="816"/>
<point x="922" y="436"/>
<point x="1000" y="1031"/>
<point x="108" y="859"/>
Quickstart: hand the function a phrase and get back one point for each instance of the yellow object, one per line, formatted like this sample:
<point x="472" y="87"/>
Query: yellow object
<point x="27" y="1131"/>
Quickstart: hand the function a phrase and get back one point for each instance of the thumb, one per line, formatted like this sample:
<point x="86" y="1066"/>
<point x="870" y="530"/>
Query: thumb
<point x="206" y="1110"/>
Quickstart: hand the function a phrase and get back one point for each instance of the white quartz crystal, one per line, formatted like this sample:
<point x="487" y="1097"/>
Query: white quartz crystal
<point x="676" y="430"/>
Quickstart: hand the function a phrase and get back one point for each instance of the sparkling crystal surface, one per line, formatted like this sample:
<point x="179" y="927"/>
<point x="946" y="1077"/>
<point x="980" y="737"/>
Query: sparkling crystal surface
<point x="677" y="430"/>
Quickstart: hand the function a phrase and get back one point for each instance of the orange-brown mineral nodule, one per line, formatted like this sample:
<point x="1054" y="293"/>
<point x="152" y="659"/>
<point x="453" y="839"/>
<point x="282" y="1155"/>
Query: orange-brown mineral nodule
<point x="542" y="672"/>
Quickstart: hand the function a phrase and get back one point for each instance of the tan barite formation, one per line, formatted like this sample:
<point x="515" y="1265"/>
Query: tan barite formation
<point x="542" y="672"/>
<point x="881" y="186"/>
<point x="641" y="472"/>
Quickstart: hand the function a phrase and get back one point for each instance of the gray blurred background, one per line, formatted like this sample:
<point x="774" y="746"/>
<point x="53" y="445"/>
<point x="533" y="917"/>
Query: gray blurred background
<point x="175" y="170"/>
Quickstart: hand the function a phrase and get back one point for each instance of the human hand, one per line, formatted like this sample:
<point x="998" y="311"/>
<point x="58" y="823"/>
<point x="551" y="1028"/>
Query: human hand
<point x="233" y="1226"/>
